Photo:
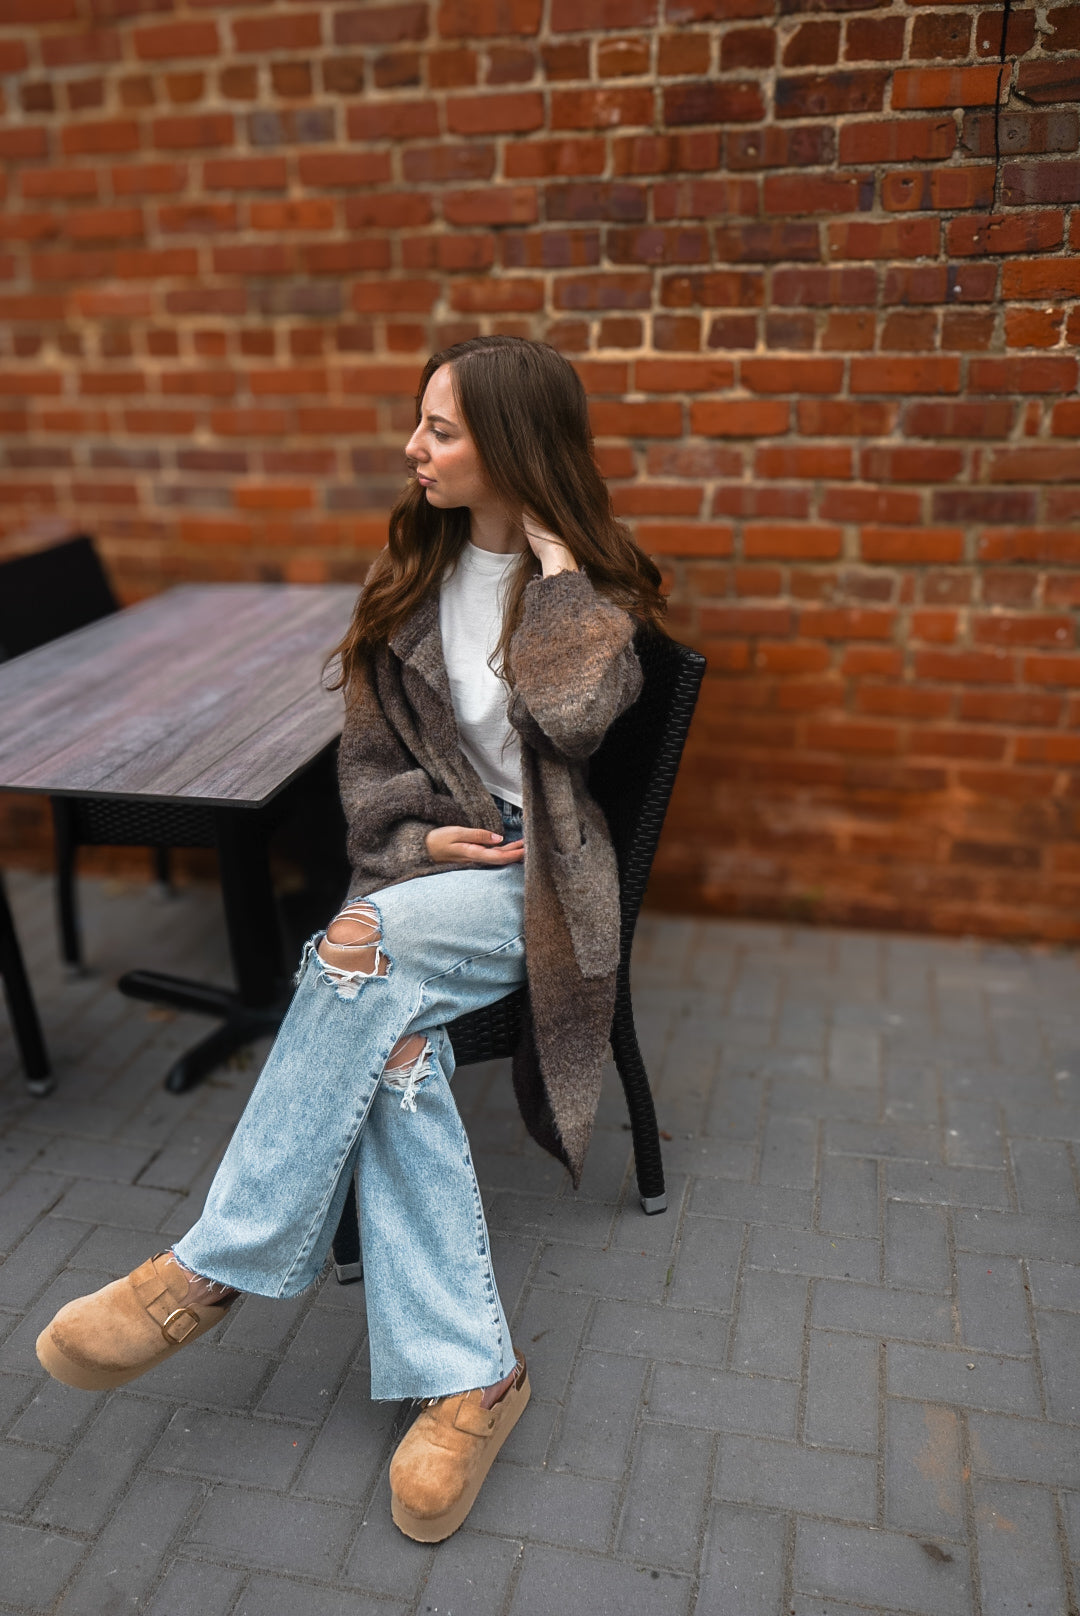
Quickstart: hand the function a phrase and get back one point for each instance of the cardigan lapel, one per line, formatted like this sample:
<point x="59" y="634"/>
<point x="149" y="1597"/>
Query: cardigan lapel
<point x="418" y="645"/>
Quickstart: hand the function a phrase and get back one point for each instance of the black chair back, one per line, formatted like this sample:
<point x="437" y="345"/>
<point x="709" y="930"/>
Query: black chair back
<point x="632" y="775"/>
<point x="51" y="592"/>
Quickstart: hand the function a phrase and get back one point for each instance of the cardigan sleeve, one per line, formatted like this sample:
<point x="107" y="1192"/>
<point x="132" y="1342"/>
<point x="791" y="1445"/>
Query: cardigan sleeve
<point x="574" y="666"/>
<point x="389" y="801"/>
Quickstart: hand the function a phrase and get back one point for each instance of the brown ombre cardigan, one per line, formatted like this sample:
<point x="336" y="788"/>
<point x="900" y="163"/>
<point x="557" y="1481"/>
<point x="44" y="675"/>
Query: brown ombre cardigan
<point x="402" y="772"/>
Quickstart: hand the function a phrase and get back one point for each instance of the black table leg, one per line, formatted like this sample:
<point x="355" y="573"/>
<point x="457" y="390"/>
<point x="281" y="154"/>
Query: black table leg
<point x="261" y="998"/>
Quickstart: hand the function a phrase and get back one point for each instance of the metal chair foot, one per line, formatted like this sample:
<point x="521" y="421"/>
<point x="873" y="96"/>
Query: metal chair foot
<point x="347" y="1273"/>
<point x="651" y="1204"/>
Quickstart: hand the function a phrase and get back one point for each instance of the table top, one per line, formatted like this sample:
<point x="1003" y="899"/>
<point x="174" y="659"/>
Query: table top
<point x="209" y="693"/>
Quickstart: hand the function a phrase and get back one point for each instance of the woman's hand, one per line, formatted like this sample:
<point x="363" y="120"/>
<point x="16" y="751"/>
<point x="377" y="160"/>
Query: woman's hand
<point x="548" y="549"/>
<point x="458" y="844"/>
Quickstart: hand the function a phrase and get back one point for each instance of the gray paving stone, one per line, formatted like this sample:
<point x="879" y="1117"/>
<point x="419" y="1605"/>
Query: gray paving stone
<point x="93" y="1158"/>
<point x="1059" y="1347"/>
<point x="873" y="1567"/>
<point x="37" y="1257"/>
<point x="1055" y="1285"/>
<point x="661" y="1520"/>
<point x="548" y="1330"/>
<point x="842" y="1392"/>
<point x="131" y="1206"/>
<point x="1071" y="1509"/>
<point x="752" y="1203"/>
<point x="1017" y="1234"/>
<point x="471" y="1574"/>
<point x="352" y="1445"/>
<point x="577" y="1512"/>
<point x="551" y="1581"/>
<point x="941" y="1375"/>
<point x="924" y="1480"/>
<point x="849" y="1195"/>
<point x="973" y="1136"/>
<point x="227" y="1447"/>
<point x="382" y="1560"/>
<point x="99" y="1468"/>
<point x="789" y="1152"/>
<point x="675" y="1333"/>
<point x="208" y="1376"/>
<point x="620" y="1275"/>
<point x="799" y="1251"/>
<point x="769" y="1330"/>
<point x="946" y="1186"/>
<point x="916" y="1247"/>
<point x="879" y="1311"/>
<point x="785" y="1475"/>
<point x="23" y="1472"/>
<point x="1025" y="1450"/>
<point x="283" y="1596"/>
<point x="15" y="1393"/>
<point x="267" y="1530"/>
<point x="318" y="1356"/>
<point x="707" y="1264"/>
<point x="194" y="1585"/>
<point x="600" y="1414"/>
<point x="56" y="1414"/>
<point x="915" y="1141"/>
<point x="743" y="1563"/>
<point x="718" y="1400"/>
<point x="126" y="1558"/>
<point x="36" y="1564"/>
<point x="263" y="1324"/>
<point x="23" y="1203"/>
<point x="1020" y="1565"/>
<point x="993" y="1308"/>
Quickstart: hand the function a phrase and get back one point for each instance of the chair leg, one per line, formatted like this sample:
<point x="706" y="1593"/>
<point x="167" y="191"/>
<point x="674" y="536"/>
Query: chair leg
<point x="24" y="1016"/>
<point x="67" y="912"/>
<point x="639" y="1102"/>
<point x="162" y="871"/>
<point x="348" y="1262"/>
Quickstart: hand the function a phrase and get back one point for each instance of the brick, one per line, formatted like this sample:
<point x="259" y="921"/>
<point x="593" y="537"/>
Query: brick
<point x="915" y="88"/>
<point x="38" y="1564"/>
<point x="842" y="1393"/>
<point x="494" y="114"/>
<point x="550" y="1578"/>
<point x="744" y="1561"/>
<point x="718" y="1400"/>
<point x="825" y="95"/>
<point x="600" y="1414"/>
<point x="606" y="108"/>
<point x="924" y="1479"/>
<point x="1026" y="1450"/>
<point x="168" y="41"/>
<point x="1019" y="1558"/>
<point x="283" y="33"/>
<point x="669" y="1477"/>
<point x="902" y="545"/>
<point x="125" y="1560"/>
<point x="792" y="375"/>
<point x="888" y="238"/>
<point x="867" y="1566"/>
<point x="769" y="1324"/>
<point x="916" y="1252"/>
<point x="84" y="1494"/>
<point x="712" y="102"/>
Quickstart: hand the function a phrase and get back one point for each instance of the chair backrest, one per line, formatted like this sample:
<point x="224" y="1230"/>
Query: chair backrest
<point x="51" y="592"/>
<point x="633" y="772"/>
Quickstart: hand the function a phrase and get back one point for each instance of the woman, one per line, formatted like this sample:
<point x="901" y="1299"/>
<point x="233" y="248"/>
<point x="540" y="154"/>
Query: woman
<point x="489" y="651"/>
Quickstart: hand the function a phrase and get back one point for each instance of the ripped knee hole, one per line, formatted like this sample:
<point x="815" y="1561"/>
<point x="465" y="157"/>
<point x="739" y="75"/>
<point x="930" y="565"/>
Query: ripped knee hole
<point x="409" y="1062"/>
<point x="351" y="942"/>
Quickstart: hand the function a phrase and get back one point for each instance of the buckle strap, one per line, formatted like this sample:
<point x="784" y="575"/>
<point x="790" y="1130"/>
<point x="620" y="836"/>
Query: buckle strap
<point x="175" y="1334"/>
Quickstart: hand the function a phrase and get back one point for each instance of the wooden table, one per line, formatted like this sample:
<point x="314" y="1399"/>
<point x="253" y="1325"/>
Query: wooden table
<point x="207" y="698"/>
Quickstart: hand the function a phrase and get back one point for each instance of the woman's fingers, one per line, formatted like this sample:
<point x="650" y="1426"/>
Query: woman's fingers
<point x="467" y="844"/>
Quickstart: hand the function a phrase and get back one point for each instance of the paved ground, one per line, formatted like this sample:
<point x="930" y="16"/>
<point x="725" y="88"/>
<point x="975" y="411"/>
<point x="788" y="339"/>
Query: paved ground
<point x="839" y="1375"/>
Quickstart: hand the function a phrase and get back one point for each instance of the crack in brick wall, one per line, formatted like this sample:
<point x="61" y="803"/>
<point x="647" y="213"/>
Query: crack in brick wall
<point x="816" y="261"/>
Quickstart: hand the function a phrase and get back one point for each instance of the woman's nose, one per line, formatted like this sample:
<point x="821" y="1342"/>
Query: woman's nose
<point x="413" y="449"/>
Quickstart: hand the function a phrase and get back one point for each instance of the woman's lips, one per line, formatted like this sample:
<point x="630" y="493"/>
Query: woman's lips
<point x="425" y="482"/>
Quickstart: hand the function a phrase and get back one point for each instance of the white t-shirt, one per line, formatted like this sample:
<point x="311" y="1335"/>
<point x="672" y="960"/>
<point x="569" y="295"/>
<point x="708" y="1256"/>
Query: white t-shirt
<point x="470" y="622"/>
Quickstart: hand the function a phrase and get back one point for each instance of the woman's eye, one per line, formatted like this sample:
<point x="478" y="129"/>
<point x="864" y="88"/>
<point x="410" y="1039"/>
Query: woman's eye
<point x="442" y="436"/>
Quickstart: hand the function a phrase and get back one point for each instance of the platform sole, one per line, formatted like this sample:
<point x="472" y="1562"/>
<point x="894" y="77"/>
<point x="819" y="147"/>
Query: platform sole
<point x="434" y="1528"/>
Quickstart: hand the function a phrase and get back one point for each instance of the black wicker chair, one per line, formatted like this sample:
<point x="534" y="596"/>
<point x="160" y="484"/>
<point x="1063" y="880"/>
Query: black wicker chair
<point x="44" y="595"/>
<point x="21" y="1007"/>
<point x="632" y="777"/>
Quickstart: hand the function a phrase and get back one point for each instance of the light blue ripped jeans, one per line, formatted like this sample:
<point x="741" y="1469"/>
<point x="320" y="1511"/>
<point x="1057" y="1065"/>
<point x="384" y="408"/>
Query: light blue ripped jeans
<point x="323" y="1109"/>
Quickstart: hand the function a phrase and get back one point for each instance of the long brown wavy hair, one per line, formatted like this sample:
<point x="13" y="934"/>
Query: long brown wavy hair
<point x="525" y="408"/>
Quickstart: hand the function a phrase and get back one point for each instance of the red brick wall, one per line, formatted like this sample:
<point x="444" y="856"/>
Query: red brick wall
<point x="817" y="263"/>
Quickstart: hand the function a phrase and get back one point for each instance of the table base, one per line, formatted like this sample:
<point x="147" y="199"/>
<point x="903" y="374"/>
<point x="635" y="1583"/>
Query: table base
<point x="242" y="1023"/>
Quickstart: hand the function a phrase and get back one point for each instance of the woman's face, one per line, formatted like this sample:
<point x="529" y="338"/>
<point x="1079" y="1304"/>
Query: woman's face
<point x="444" y="454"/>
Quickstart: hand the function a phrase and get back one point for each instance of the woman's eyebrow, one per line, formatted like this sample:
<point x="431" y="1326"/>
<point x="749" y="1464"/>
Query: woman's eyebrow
<point x="443" y="419"/>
